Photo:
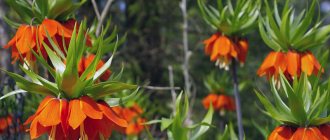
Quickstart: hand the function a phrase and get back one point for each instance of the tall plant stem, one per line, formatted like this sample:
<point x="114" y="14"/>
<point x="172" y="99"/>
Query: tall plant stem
<point x="237" y="101"/>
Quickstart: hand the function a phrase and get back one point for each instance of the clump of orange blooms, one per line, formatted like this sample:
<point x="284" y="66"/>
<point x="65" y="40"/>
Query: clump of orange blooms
<point x="222" y="49"/>
<point x="78" y="118"/>
<point x="133" y="116"/>
<point x="5" y="122"/>
<point x="291" y="64"/>
<point x="301" y="133"/>
<point x="219" y="102"/>
<point x="31" y="37"/>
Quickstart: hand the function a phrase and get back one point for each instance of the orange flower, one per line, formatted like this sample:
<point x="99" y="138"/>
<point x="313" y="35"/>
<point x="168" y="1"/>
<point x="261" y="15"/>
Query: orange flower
<point x="309" y="133"/>
<point x="133" y="117"/>
<point x="30" y="37"/>
<point x="211" y="99"/>
<point x="50" y="117"/>
<point x="281" y="133"/>
<point x="135" y="128"/>
<point x="302" y="133"/>
<point x="222" y="50"/>
<point x="219" y="102"/>
<point x="5" y="122"/>
<point x="89" y="119"/>
<point x="86" y="61"/>
<point x="272" y="64"/>
<point x="291" y="64"/>
<point x="67" y="120"/>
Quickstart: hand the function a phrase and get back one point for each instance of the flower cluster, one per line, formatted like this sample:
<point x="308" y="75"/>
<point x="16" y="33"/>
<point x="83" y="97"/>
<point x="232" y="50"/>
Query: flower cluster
<point x="74" y="119"/>
<point x="291" y="63"/>
<point x="5" y="122"/>
<point x="133" y="116"/>
<point x="292" y="41"/>
<point x="30" y="38"/>
<point x="219" y="102"/>
<point x="74" y="106"/>
<point x="223" y="49"/>
<point x="301" y="133"/>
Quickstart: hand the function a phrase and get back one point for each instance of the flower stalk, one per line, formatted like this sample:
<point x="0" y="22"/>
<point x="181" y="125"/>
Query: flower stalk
<point x="237" y="102"/>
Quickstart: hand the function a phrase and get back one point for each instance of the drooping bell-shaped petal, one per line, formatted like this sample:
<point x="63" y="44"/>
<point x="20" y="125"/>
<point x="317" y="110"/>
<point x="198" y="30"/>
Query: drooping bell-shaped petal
<point x="293" y="60"/>
<point x="49" y="118"/>
<point x="308" y="133"/>
<point x="281" y="133"/>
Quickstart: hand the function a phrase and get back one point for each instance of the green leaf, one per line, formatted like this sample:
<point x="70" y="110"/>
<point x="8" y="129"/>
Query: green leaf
<point x="43" y="7"/>
<point x="117" y="101"/>
<point x="22" y="8"/>
<point x="106" y="65"/>
<point x="39" y="80"/>
<point x="12" y="93"/>
<point x="265" y="37"/>
<point x="107" y="88"/>
<point x="226" y="134"/>
<point x="296" y="103"/>
<point x="202" y="129"/>
<point x="56" y="61"/>
<point x="165" y="123"/>
<point x="26" y="85"/>
<point x="13" y="24"/>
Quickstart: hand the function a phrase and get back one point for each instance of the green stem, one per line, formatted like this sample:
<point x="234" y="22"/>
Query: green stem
<point x="237" y="101"/>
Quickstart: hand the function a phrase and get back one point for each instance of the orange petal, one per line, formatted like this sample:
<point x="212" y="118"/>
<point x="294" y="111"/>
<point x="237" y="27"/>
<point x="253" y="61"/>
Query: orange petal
<point x="293" y="60"/>
<point x="211" y="39"/>
<point x="50" y="26"/>
<point x="41" y="106"/>
<point x="44" y="103"/>
<point x="64" y="108"/>
<point x="137" y="108"/>
<point x="224" y="45"/>
<point x="20" y="31"/>
<point x="307" y="63"/>
<point x="77" y="116"/>
<point x="129" y="114"/>
<point x="36" y="129"/>
<point x="117" y="110"/>
<point x="131" y="129"/>
<point x="215" y="52"/>
<point x="233" y="51"/>
<point x="111" y="115"/>
<point x="51" y="114"/>
<point x="209" y="43"/>
<point x="90" y="108"/>
<point x="317" y="66"/>
<point x="280" y="63"/>
<point x="211" y="99"/>
<point x="269" y="61"/>
<point x="243" y="49"/>
<point x="310" y="133"/>
<point x="135" y="128"/>
<point x="281" y="133"/>
<point x="64" y="31"/>
<point x="27" y="40"/>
